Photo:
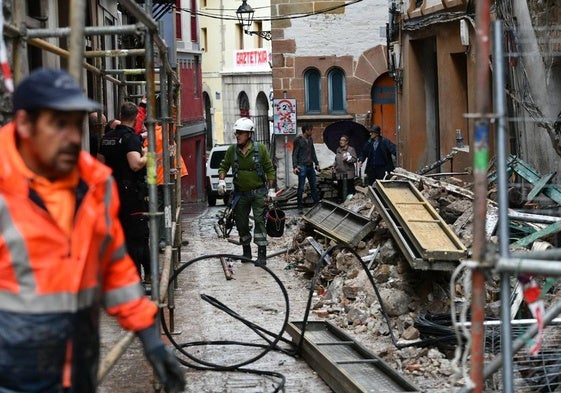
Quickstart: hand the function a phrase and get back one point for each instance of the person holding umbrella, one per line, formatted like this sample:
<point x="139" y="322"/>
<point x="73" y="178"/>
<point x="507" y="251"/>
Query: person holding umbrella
<point x="344" y="168"/>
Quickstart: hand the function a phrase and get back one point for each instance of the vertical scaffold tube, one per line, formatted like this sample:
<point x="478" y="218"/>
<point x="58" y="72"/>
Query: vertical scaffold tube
<point x="481" y="159"/>
<point x="499" y="99"/>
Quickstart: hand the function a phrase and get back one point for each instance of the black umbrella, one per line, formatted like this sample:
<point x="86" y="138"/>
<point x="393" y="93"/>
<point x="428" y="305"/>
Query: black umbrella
<point x="357" y="133"/>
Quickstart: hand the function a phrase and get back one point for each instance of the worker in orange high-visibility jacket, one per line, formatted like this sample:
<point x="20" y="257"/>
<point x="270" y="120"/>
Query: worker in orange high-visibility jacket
<point x="62" y="252"/>
<point x="140" y="129"/>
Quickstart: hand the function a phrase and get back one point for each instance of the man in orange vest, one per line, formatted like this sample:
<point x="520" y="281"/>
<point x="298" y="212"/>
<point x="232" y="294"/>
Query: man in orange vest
<point x="140" y="129"/>
<point x="62" y="251"/>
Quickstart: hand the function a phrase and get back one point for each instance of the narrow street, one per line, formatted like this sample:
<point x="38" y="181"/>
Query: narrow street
<point x="254" y="295"/>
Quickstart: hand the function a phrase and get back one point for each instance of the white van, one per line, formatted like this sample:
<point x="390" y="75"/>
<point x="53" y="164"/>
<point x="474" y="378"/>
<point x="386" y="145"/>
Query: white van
<point x="213" y="163"/>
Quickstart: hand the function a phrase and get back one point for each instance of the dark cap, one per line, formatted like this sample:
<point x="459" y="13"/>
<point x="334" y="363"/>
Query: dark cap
<point x="376" y="129"/>
<point x="51" y="89"/>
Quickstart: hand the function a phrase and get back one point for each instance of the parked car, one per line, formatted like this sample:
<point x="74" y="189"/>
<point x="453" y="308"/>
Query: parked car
<point x="213" y="163"/>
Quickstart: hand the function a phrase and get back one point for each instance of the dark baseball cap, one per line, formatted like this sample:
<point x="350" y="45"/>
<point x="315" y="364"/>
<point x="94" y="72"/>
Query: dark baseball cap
<point x="51" y="89"/>
<point x="376" y="129"/>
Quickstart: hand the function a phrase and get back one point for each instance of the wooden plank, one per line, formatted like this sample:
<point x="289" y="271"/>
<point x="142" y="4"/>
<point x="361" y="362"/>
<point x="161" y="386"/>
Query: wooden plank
<point x="404" y="243"/>
<point x="227" y="269"/>
<point x="538" y="186"/>
<point x="452" y="188"/>
<point x="430" y="235"/>
<point x="532" y="176"/>
<point x="526" y="241"/>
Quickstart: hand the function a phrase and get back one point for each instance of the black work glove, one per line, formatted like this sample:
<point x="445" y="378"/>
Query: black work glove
<point x="167" y="369"/>
<point x="164" y="362"/>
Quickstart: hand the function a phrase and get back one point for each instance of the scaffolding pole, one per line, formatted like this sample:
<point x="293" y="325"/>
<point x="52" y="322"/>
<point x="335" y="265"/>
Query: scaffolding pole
<point x="76" y="47"/>
<point x="59" y="32"/>
<point x="480" y="158"/>
<point x="499" y="99"/>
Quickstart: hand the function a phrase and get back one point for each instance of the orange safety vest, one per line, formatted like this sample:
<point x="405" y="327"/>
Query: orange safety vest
<point x="160" y="156"/>
<point x="46" y="271"/>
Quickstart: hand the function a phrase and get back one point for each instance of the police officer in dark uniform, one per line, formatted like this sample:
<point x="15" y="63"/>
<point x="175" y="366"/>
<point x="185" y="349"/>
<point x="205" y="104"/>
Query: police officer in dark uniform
<point x="121" y="149"/>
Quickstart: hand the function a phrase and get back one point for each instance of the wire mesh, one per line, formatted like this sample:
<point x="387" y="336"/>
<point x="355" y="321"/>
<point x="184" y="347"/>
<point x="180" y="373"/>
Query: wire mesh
<point x="532" y="373"/>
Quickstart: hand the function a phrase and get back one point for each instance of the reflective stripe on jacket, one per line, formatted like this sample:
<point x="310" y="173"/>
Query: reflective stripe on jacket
<point x="43" y="271"/>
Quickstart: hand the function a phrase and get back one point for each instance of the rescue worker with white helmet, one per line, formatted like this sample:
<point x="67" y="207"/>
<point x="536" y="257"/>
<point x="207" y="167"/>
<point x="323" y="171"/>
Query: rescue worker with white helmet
<point x="253" y="173"/>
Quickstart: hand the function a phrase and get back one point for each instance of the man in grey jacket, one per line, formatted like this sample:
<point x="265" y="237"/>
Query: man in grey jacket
<point x="304" y="164"/>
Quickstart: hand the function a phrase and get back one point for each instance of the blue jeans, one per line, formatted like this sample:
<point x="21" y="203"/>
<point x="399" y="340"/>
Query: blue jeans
<point x="306" y="172"/>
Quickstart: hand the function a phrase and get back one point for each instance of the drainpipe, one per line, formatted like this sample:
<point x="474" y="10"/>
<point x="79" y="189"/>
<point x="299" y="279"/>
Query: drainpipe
<point x="480" y="163"/>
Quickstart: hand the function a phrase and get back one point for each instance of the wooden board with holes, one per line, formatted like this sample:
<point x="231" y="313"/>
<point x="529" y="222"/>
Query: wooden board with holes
<point x="429" y="234"/>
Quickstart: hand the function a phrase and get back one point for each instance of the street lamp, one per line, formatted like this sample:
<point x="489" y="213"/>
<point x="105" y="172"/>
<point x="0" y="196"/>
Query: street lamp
<point x="245" y="17"/>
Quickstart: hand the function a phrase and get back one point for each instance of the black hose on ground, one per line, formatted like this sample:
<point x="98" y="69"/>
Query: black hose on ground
<point x="272" y="339"/>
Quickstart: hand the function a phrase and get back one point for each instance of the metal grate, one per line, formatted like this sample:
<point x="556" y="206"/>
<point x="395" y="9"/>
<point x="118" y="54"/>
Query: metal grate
<point x="532" y="373"/>
<point x="345" y="365"/>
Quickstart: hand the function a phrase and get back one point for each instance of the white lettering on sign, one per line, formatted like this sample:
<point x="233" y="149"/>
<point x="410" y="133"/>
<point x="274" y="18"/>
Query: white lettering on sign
<point x="251" y="58"/>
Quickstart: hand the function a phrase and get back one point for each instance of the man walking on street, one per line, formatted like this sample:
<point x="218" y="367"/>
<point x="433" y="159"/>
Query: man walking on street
<point x="253" y="172"/>
<point x="304" y="164"/>
<point x="377" y="152"/>
<point x="61" y="249"/>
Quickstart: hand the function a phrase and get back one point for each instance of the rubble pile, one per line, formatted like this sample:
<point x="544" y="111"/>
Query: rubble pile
<point x="345" y="296"/>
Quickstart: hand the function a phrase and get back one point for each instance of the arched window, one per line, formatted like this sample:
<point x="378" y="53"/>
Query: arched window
<point x="261" y="119"/>
<point x="243" y="104"/>
<point x="312" y="86"/>
<point x="337" y="91"/>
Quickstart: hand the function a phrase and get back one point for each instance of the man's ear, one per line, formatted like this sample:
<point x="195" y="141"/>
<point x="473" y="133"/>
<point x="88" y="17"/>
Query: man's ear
<point x="22" y="122"/>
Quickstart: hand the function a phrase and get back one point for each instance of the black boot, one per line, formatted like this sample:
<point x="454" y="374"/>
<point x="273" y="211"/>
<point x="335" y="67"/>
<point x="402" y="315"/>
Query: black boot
<point x="261" y="256"/>
<point x="247" y="251"/>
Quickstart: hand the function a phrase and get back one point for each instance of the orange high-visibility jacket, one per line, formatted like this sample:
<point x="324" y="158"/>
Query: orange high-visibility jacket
<point x="47" y="273"/>
<point x="160" y="156"/>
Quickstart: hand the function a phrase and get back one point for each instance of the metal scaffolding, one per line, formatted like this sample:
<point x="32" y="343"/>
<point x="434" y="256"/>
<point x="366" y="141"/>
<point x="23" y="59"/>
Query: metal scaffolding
<point x="505" y="263"/>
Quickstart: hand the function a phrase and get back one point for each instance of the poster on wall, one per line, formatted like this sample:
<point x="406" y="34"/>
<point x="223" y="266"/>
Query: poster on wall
<point x="284" y="116"/>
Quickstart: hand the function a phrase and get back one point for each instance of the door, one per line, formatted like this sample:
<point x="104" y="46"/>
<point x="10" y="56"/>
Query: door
<point x="383" y="106"/>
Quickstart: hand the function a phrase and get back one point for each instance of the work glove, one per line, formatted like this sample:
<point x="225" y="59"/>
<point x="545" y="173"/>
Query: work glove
<point x="221" y="187"/>
<point x="271" y="194"/>
<point x="165" y="364"/>
<point x="167" y="369"/>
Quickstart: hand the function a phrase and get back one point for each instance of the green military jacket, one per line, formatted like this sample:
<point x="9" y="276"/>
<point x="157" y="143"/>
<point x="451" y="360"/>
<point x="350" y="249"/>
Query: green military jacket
<point x="247" y="178"/>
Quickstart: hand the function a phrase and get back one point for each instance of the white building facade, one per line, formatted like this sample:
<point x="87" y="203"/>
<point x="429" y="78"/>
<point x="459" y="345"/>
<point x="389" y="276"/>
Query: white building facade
<point x="236" y="69"/>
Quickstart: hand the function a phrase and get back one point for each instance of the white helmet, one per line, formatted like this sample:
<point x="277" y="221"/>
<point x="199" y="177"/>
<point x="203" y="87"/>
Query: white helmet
<point x="244" y="124"/>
